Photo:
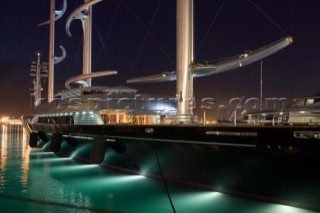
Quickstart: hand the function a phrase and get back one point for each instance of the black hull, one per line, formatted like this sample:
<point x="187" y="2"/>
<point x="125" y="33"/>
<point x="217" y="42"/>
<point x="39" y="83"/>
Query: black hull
<point x="278" y="164"/>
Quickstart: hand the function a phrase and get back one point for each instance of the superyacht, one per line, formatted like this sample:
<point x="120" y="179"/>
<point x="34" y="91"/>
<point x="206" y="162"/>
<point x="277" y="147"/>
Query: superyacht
<point x="159" y="136"/>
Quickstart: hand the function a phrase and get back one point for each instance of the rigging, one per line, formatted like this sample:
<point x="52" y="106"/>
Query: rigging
<point x="213" y="21"/>
<point x="145" y="38"/>
<point x="103" y="47"/>
<point x="149" y="33"/>
<point x="268" y="17"/>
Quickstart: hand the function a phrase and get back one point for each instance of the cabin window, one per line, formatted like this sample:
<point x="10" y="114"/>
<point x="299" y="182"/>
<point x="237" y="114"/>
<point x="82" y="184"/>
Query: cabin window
<point x="43" y="120"/>
<point x="56" y="120"/>
<point x="114" y="118"/>
<point x="89" y="92"/>
<point x="309" y="101"/>
<point x="299" y="103"/>
<point x="120" y="117"/>
<point x="316" y="100"/>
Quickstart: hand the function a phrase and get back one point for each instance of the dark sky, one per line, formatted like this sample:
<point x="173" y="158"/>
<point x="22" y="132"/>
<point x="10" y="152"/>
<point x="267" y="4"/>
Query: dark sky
<point x="121" y="42"/>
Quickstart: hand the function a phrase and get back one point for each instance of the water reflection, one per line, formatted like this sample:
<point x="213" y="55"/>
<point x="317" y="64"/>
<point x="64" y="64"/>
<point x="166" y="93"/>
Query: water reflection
<point x="47" y="183"/>
<point x="25" y="152"/>
<point x="3" y="155"/>
<point x="14" y="146"/>
<point x="20" y="180"/>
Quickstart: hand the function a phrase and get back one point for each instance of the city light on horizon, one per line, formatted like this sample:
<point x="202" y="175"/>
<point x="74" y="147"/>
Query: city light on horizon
<point x="9" y="120"/>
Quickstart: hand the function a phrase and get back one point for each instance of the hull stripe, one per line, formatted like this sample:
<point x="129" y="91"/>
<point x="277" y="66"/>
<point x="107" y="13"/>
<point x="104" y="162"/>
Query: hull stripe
<point x="175" y="141"/>
<point x="241" y="134"/>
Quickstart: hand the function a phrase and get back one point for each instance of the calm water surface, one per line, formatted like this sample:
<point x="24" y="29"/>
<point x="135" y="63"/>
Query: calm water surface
<point x="36" y="181"/>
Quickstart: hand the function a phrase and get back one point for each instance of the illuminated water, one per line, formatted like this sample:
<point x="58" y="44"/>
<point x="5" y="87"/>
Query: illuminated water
<point x="34" y="181"/>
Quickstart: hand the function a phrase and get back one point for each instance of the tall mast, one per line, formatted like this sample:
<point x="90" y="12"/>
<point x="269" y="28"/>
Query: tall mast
<point x="87" y="33"/>
<point x="54" y="16"/>
<point x="51" y="53"/>
<point x="261" y="103"/>
<point x="184" y="87"/>
<point x="38" y="83"/>
<point x="84" y="13"/>
<point x="38" y="71"/>
<point x="186" y="69"/>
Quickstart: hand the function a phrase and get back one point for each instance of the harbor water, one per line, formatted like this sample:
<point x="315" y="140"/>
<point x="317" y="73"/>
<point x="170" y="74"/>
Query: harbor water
<point x="35" y="181"/>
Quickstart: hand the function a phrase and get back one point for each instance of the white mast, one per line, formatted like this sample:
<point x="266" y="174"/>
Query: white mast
<point x="184" y="87"/>
<point x="54" y="16"/>
<point x="87" y="33"/>
<point x="38" y="71"/>
<point x="84" y="13"/>
<point x="186" y="70"/>
<point x="261" y="104"/>
<point x="38" y="84"/>
<point x="51" y="53"/>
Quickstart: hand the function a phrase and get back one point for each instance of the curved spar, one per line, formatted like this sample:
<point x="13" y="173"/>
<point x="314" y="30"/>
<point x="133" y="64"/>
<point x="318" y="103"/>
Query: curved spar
<point x="201" y="70"/>
<point x="58" y="14"/>
<point x="79" y="14"/>
<point x="81" y="79"/>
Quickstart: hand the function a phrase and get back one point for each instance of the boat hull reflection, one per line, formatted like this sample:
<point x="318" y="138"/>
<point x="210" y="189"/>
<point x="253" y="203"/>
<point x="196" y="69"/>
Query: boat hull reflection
<point x="273" y="163"/>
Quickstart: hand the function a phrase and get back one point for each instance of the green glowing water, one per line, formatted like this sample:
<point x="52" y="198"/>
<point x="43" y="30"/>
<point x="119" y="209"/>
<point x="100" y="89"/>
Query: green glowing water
<point x="36" y="181"/>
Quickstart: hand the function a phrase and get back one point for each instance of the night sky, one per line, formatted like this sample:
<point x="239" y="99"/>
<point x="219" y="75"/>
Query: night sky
<point x="137" y="37"/>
